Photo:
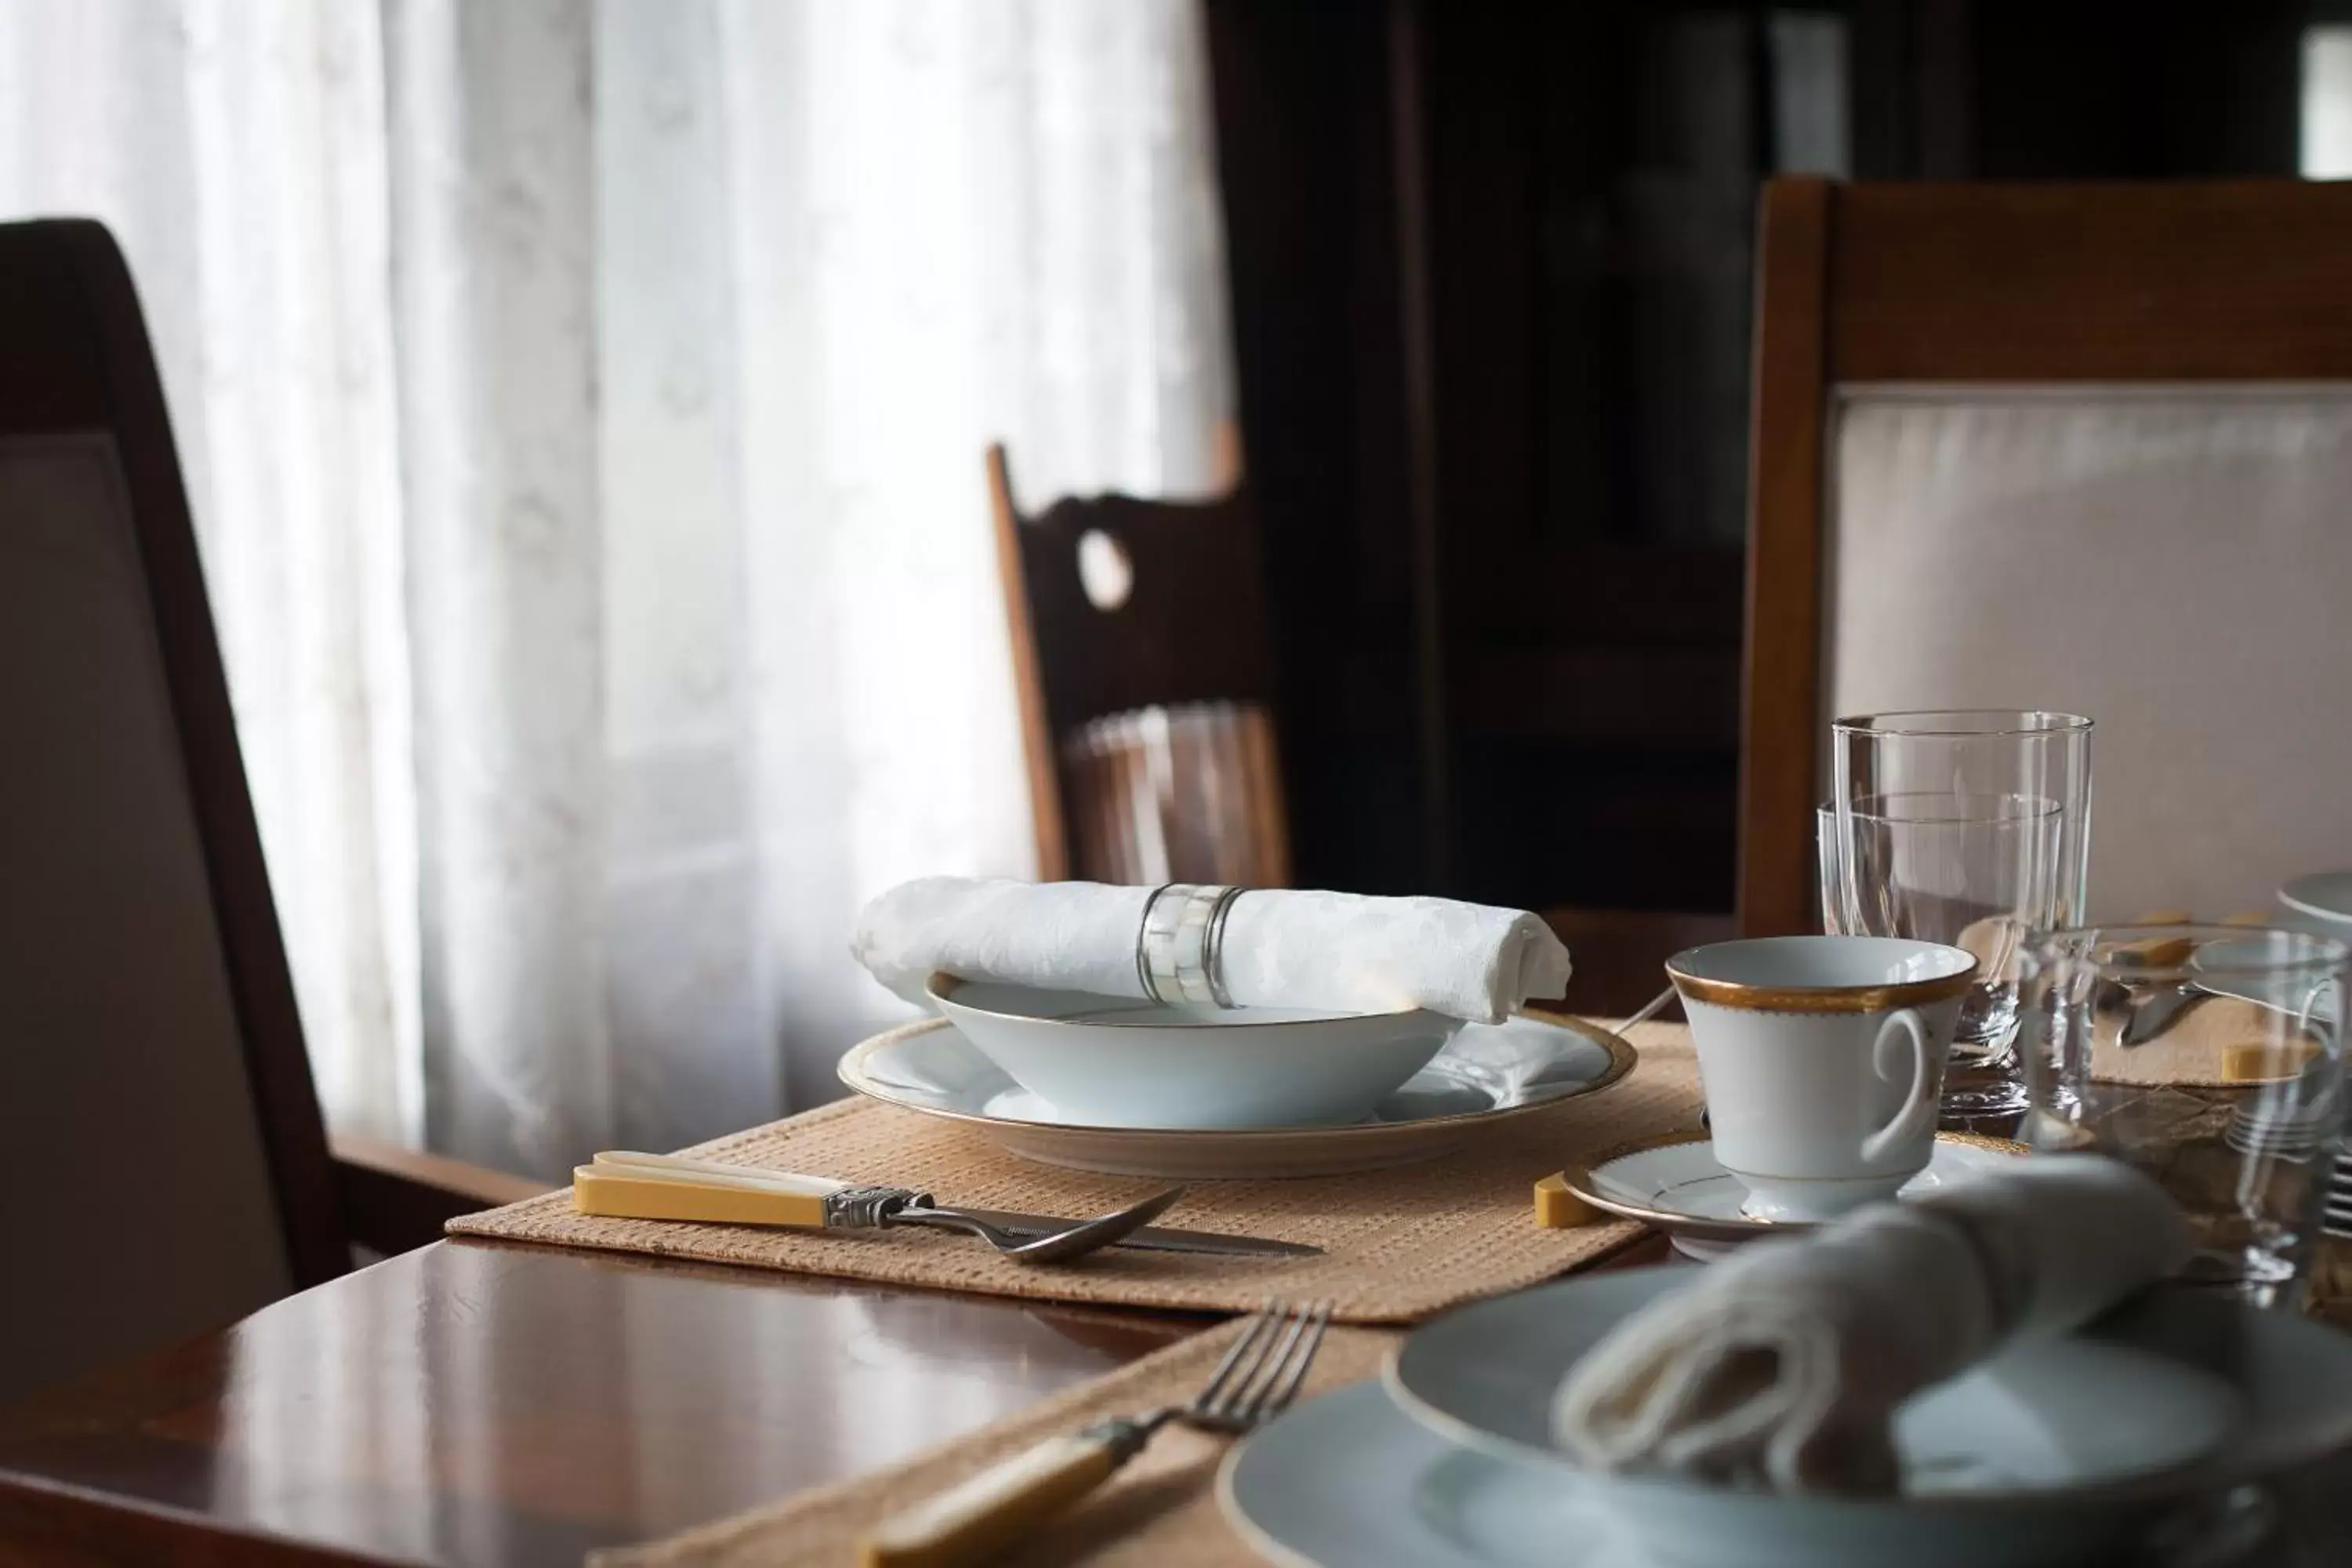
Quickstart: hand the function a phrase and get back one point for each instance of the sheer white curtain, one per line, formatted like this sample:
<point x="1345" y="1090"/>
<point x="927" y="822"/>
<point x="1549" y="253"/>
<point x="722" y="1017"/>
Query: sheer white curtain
<point x="582" y="403"/>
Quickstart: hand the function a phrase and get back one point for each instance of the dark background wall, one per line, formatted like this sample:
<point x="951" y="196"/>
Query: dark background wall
<point x="1491" y="272"/>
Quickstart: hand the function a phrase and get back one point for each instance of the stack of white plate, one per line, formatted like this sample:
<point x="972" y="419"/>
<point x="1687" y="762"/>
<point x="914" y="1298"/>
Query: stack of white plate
<point x="2068" y="1451"/>
<point x="2289" y="1133"/>
<point x="2338" y="1221"/>
<point x="2323" y="903"/>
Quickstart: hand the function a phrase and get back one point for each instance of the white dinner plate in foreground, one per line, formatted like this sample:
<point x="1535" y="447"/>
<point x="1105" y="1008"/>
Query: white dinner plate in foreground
<point x="2055" y="1452"/>
<point x="1348" y="1480"/>
<point x="1487" y="1073"/>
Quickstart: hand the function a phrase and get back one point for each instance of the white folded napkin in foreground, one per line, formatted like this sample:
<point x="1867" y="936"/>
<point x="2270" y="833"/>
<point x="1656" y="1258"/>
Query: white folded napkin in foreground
<point x="1342" y="951"/>
<point x="1781" y="1366"/>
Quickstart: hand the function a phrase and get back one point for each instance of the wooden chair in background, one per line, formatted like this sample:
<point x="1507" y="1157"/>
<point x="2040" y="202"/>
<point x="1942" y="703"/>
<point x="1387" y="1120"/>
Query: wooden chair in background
<point x="2083" y="447"/>
<point x="1140" y="654"/>
<point x="163" y="1167"/>
<point x="1147" y="722"/>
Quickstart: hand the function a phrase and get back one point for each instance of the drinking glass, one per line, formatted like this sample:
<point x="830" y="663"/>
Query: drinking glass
<point x="1971" y="827"/>
<point x="1972" y="871"/>
<point x="2209" y="1056"/>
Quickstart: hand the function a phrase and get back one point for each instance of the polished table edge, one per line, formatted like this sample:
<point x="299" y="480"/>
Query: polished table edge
<point x="1178" y="1323"/>
<point x="57" y="1523"/>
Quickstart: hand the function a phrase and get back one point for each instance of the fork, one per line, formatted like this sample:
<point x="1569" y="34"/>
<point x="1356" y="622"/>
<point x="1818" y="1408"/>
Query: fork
<point x="974" y="1520"/>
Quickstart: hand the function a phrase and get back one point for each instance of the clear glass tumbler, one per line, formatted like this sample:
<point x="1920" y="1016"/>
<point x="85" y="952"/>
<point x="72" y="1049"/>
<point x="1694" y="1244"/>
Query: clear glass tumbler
<point x="1972" y="871"/>
<point x="1968" y="826"/>
<point x="2209" y="1056"/>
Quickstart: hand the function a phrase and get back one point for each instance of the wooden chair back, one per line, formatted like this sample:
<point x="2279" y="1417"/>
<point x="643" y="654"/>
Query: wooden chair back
<point x="163" y="1163"/>
<point x="2081" y="447"/>
<point x="1140" y="655"/>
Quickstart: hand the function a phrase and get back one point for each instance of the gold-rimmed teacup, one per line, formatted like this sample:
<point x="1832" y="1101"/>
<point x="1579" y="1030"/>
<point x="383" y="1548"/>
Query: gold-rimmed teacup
<point x="1821" y="1058"/>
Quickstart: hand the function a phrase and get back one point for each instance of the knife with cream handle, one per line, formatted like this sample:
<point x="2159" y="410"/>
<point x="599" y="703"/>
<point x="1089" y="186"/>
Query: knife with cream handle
<point x="673" y="1186"/>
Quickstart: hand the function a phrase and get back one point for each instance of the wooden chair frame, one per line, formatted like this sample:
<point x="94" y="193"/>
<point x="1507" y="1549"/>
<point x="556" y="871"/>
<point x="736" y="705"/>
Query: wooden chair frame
<point x="79" y="359"/>
<point x="1198" y="617"/>
<point x="1953" y="284"/>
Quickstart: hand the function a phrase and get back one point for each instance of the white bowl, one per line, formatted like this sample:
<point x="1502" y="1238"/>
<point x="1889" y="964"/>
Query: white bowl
<point x="1121" y="1063"/>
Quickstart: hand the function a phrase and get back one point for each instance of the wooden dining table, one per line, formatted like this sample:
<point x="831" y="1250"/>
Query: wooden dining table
<point x="478" y="1404"/>
<point x="483" y="1403"/>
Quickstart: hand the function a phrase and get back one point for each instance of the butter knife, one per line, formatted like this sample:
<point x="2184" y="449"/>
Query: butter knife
<point x="612" y="1184"/>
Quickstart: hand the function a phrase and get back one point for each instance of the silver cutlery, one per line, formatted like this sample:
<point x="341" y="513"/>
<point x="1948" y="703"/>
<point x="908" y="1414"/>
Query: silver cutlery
<point x="974" y="1522"/>
<point x="2151" y="1013"/>
<point x="1155" y="1238"/>
<point x="1054" y="1247"/>
<point x="1649" y="1010"/>
<point x="1146" y="1238"/>
<point x="669" y="1187"/>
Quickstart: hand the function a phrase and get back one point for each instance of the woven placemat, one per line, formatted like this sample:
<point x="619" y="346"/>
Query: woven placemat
<point x="1160" y="1509"/>
<point x="1398" y="1245"/>
<point x="2217" y="1042"/>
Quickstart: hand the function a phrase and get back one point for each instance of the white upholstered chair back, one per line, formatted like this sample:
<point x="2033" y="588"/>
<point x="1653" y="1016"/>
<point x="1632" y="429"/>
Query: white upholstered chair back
<point x="2175" y="561"/>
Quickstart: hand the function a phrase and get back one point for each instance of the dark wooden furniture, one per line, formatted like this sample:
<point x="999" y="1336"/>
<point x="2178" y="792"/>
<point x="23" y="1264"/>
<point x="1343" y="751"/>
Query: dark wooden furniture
<point x="1948" y="284"/>
<point x="1144" y="692"/>
<point x="1489" y="288"/>
<point x="163" y="1163"/>
<point x="1621" y="954"/>
<point x="1492" y="293"/>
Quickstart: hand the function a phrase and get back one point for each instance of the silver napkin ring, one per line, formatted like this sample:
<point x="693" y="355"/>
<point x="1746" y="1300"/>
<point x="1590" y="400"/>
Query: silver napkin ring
<point x="1179" y="947"/>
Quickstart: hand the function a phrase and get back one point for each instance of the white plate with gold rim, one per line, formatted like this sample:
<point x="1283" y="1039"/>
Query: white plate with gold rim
<point x="1487" y="1073"/>
<point x="1675" y="1184"/>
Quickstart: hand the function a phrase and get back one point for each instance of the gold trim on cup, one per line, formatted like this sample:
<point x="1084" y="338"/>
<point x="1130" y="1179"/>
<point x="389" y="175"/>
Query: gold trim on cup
<point x="1752" y="999"/>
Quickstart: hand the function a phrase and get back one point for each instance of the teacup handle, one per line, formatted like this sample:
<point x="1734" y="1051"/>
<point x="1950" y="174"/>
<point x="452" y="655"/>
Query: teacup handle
<point x="1918" y="1112"/>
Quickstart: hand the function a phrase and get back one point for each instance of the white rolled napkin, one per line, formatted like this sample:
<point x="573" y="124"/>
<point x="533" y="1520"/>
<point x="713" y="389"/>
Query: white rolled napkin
<point x="1781" y="1366"/>
<point x="1342" y="951"/>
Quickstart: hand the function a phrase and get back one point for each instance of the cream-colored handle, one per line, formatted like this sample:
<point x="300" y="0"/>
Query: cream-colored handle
<point x="1920" y="1101"/>
<point x="622" y="1185"/>
<point x="678" y="1167"/>
<point x="974" y="1521"/>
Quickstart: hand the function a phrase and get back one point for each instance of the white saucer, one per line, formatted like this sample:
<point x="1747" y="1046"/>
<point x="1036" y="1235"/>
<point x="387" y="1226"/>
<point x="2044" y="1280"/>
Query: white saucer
<point x="1487" y="1073"/>
<point x="1674" y="1184"/>
<point x="2057" y="1451"/>
<point x="1349" y="1479"/>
